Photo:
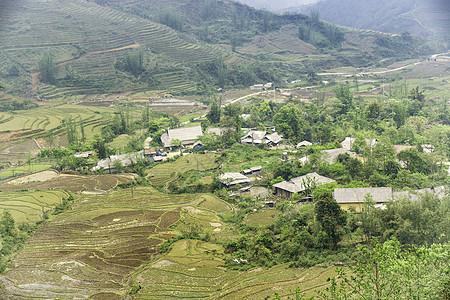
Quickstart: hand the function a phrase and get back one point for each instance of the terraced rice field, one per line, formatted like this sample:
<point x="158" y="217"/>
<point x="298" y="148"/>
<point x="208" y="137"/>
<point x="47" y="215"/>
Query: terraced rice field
<point x="78" y="28"/>
<point x="195" y="270"/>
<point x="163" y="174"/>
<point x="26" y="206"/>
<point x="79" y="184"/>
<point x="22" y="170"/>
<point x="95" y="246"/>
<point x="45" y="125"/>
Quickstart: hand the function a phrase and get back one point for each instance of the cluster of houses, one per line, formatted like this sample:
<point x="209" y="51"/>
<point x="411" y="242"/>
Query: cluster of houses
<point x="346" y="197"/>
<point x="189" y="136"/>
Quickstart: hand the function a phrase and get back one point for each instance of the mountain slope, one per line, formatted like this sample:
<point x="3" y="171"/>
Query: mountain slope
<point x="429" y="18"/>
<point x="60" y="48"/>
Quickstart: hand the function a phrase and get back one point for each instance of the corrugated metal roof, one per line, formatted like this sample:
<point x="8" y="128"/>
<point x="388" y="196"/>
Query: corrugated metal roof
<point x="304" y="144"/>
<point x="184" y="134"/>
<point x="356" y="195"/>
<point x="233" y="178"/>
<point x="299" y="184"/>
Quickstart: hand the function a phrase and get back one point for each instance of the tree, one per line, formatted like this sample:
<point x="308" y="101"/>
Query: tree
<point x="46" y="66"/>
<point x="331" y="218"/>
<point x="215" y="111"/>
<point x="386" y="272"/>
<point x="176" y="143"/>
<point x="344" y="94"/>
<point x="288" y="122"/>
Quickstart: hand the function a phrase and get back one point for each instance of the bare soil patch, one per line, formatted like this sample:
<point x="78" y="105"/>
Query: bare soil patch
<point x="36" y="177"/>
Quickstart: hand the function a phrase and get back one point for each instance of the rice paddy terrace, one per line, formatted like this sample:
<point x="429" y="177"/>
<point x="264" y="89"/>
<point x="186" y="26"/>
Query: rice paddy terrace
<point x="102" y="240"/>
<point x="25" y="133"/>
<point x="164" y="174"/>
<point x="26" y="206"/>
<point x="88" y="38"/>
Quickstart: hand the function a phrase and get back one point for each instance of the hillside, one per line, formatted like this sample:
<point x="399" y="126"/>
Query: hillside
<point x="56" y="49"/>
<point x="429" y="19"/>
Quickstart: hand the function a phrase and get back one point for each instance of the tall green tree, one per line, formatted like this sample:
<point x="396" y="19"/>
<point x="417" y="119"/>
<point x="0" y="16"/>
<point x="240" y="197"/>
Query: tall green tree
<point x="289" y="123"/>
<point x="344" y="95"/>
<point x="215" y="111"/>
<point x="47" y="67"/>
<point x="331" y="218"/>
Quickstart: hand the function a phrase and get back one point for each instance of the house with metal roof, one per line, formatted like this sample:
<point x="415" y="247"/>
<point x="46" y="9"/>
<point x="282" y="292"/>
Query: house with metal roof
<point x="126" y="160"/>
<point x="354" y="197"/>
<point x="257" y="137"/>
<point x="187" y="136"/>
<point x="303" y="144"/>
<point x="231" y="180"/>
<point x="300" y="184"/>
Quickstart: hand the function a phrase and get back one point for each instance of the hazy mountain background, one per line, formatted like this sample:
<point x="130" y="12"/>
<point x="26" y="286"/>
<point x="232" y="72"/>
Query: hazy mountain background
<point x="426" y="18"/>
<point x="278" y="6"/>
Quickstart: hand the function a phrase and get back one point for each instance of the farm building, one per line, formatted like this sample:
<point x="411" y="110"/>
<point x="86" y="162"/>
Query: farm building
<point x="261" y="137"/>
<point x="354" y="197"/>
<point x="252" y="171"/>
<point x="348" y="142"/>
<point x="126" y="160"/>
<point x="299" y="184"/>
<point x="303" y="144"/>
<point x="218" y="131"/>
<point x="399" y="148"/>
<point x="231" y="180"/>
<point x="187" y="136"/>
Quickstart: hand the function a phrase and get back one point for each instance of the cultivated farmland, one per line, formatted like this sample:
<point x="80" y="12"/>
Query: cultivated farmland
<point x="26" y="206"/>
<point x="163" y="174"/>
<point x="45" y="126"/>
<point x="195" y="269"/>
<point x="102" y="240"/>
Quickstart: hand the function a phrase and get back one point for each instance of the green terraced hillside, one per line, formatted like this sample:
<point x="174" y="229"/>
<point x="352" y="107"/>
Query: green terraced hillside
<point x="87" y="47"/>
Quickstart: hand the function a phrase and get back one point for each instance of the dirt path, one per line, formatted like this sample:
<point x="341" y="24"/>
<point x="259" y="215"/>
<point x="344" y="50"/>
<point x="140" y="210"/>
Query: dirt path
<point x="35" y="75"/>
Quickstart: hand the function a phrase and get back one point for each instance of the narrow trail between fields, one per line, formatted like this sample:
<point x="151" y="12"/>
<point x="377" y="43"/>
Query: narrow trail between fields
<point x="35" y="75"/>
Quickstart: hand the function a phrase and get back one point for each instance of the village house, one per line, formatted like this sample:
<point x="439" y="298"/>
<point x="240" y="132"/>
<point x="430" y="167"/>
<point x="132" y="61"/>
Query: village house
<point x="303" y="144"/>
<point x="257" y="137"/>
<point x="150" y="152"/>
<point x="354" y="197"/>
<point x="251" y="171"/>
<point x="299" y="184"/>
<point x="348" y="142"/>
<point x="231" y="180"/>
<point x="217" y="130"/>
<point x="187" y="135"/>
<point x="399" y="148"/>
<point x="125" y="160"/>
